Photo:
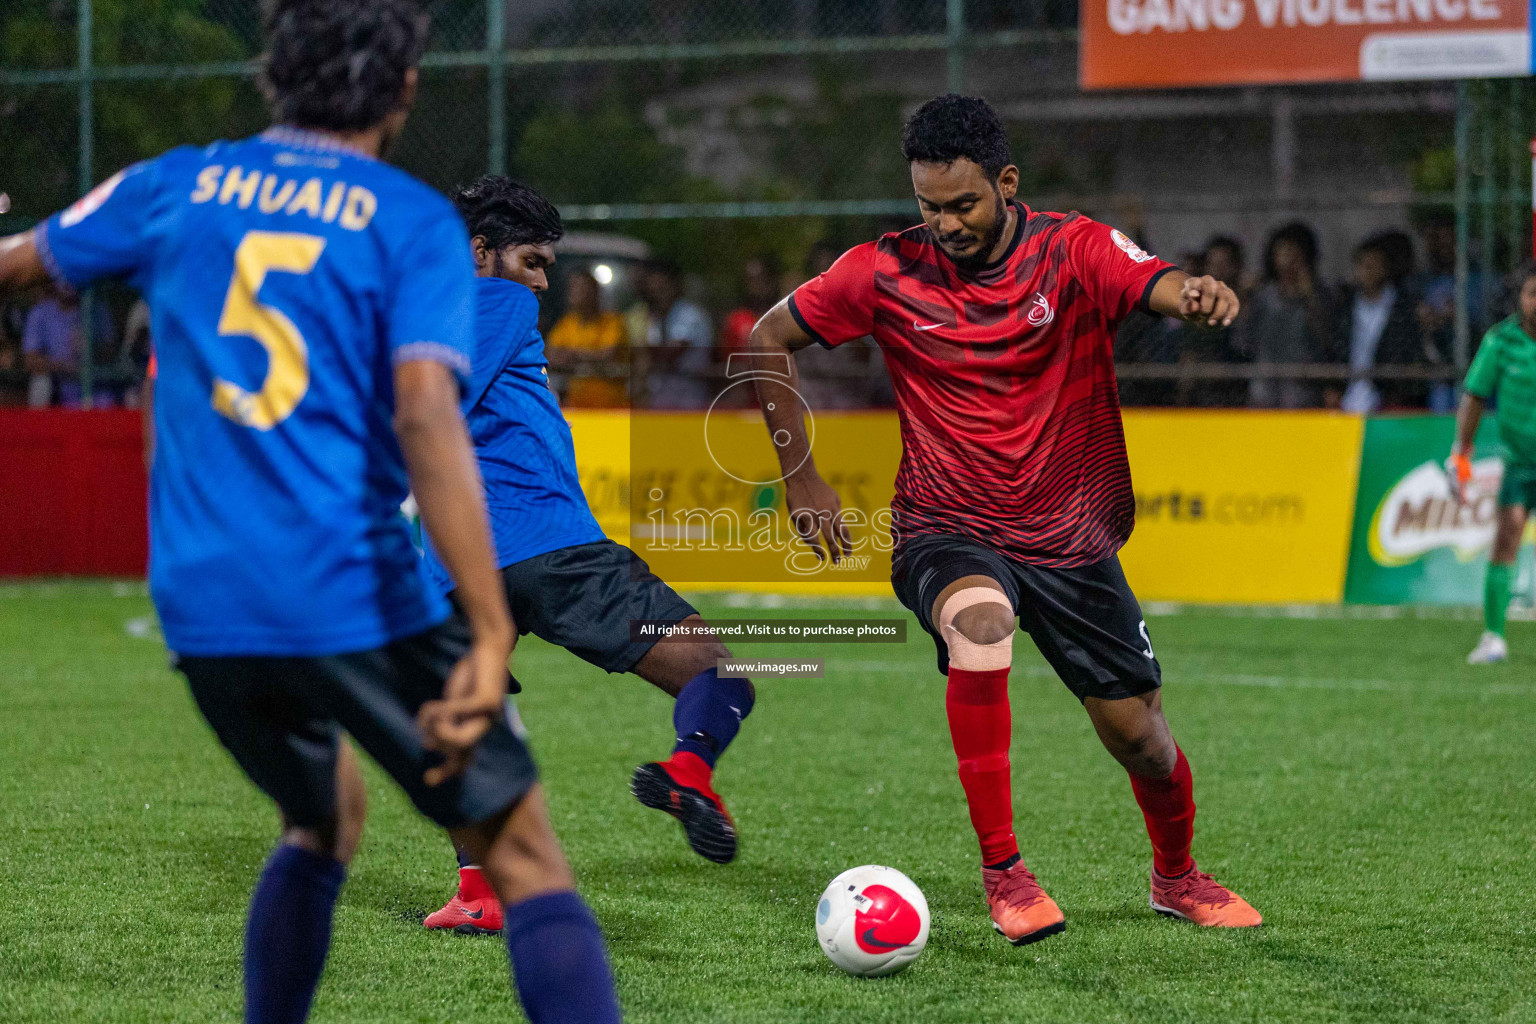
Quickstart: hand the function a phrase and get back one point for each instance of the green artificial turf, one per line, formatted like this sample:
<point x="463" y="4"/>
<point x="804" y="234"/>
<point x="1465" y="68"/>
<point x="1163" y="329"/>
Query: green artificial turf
<point x="1373" y="796"/>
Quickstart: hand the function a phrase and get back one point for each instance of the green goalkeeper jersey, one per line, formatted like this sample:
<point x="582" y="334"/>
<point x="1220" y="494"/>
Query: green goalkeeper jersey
<point x="1504" y="370"/>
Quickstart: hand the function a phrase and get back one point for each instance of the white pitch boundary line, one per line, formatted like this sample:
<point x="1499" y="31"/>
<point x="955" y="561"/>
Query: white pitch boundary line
<point x="1370" y="612"/>
<point x="1257" y="681"/>
<point x="1152" y="609"/>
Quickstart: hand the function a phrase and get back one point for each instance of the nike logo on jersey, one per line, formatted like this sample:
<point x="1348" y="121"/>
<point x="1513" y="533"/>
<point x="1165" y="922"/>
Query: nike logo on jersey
<point x="925" y="327"/>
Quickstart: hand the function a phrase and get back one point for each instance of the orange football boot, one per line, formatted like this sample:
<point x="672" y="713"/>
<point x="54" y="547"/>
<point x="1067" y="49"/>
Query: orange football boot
<point x="474" y="909"/>
<point x="1021" y="911"/>
<point x="1196" y="896"/>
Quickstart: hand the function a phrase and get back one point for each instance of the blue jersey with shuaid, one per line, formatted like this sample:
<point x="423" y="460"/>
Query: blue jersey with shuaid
<point x="287" y="278"/>
<point x="527" y="458"/>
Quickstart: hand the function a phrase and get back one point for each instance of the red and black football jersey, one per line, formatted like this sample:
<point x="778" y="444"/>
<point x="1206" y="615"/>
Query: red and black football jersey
<point x="1004" y="380"/>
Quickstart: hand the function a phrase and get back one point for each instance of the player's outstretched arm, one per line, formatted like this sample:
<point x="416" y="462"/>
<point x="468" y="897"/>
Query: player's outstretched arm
<point x="21" y="264"/>
<point x="446" y="482"/>
<point x="1200" y="300"/>
<point x="813" y="505"/>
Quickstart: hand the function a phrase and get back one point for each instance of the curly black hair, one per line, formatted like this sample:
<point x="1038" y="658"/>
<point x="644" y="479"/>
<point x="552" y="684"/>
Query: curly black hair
<point x="953" y="126"/>
<point x="339" y="64"/>
<point x="506" y="212"/>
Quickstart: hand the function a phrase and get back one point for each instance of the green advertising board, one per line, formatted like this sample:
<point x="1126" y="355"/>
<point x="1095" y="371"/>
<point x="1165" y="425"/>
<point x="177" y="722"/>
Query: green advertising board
<point x="1413" y="542"/>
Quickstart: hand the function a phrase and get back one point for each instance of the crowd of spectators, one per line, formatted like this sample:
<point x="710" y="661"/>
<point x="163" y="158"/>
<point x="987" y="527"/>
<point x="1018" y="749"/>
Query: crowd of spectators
<point x="665" y="353"/>
<point x="43" y="352"/>
<point x="1379" y="340"/>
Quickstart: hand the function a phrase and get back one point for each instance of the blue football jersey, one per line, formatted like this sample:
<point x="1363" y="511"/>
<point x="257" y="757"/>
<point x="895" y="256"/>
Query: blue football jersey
<point x="286" y="278"/>
<point x="523" y="444"/>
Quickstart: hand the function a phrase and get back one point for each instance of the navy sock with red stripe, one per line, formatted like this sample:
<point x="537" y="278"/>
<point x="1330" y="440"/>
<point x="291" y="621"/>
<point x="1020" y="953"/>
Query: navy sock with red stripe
<point x="708" y="714"/>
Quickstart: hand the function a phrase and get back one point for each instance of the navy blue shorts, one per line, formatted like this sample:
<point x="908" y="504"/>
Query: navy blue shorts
<point x="1085" y="621"/>
<point x="282" y="719"/>
<point x="583" y="598"/>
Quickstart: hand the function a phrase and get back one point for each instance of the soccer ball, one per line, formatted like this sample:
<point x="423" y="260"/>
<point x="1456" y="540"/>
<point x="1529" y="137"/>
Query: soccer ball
<point x="872" y="921"/>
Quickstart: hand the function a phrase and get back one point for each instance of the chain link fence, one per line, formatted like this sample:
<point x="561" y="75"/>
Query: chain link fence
<point x="730" y="137"/>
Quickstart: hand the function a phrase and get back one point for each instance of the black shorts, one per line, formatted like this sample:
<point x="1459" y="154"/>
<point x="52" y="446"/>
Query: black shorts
<point x="281" y="719"/>
<point x="1085" y="621"/>
<point x="583" y="598"/>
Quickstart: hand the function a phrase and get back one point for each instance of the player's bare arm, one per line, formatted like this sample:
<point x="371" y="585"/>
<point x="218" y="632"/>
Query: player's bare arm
<point x="446" y="482"/>
<point x="813" y="505"/>
<point x="1199" y="300"/>
<point x="21" y="265"/>
<point x="1458" y="466"/>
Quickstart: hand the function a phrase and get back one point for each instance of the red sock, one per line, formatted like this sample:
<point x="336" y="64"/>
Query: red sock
<point x="980" y="727"/>
<point x="474" y="886"/>
<point x="1169" y="807"/>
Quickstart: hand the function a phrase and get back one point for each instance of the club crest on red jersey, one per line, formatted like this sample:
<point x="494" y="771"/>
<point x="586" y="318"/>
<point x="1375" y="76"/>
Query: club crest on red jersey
<point x="1134" y="251"/>
<point x="1040" y="311"/>
<point x="887" y="922"/>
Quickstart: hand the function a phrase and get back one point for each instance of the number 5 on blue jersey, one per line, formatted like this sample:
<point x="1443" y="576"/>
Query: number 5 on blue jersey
<point x="287" y="379"/>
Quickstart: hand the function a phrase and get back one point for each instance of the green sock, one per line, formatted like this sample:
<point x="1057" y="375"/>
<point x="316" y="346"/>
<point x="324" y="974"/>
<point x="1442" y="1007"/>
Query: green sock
<point x="1496" y="596"/>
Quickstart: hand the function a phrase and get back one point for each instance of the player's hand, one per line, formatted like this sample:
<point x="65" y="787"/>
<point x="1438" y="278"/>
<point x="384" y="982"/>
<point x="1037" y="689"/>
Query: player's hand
<point x="1208" y="301"/>
<point x="817" y="514"/>
<point x="1458" y="473"/>
<point x="475" y="693"/>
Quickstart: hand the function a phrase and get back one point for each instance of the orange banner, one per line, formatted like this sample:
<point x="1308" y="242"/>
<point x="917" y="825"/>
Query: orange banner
<point x="1136" y="44"/>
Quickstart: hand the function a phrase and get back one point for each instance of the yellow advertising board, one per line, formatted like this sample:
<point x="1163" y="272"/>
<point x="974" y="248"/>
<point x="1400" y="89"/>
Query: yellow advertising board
<point x="1241" y="507"/>
<point x="698" y="497"/>
<point x="1231" y="506"/>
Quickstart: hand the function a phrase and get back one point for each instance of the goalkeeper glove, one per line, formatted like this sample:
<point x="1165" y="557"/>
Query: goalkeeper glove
<point x="1458" y="473"/>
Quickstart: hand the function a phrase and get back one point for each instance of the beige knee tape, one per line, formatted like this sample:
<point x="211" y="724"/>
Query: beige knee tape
<point x="965" y="653"/>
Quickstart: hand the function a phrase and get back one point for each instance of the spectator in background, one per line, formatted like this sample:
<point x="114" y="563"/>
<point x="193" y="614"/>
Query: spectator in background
<point x="760" y="290"/>
<point x="13" y="374"/>
<point x="1222" y="258"/>
<point x="53" y="345"/>
<point x="850" y="376"/>
<point x="1377" y="327"/>
<point x="678" y="341"/>
<point x="759" y="293"/>
<point x="1287" y="322"/>
<point x="138" y="345"/>
<point x="583" y="336"/>
<point x="1436" y="293"/>
<point x="1147" y="340"/>
<point x="1398" y="247"/>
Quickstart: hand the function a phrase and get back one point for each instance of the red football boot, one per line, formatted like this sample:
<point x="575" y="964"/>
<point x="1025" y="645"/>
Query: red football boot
<point x="474" y="909"/>
<point x="1021" y="911"/>
<point x="1196" y="896"/>
<point x="680" y="786"/>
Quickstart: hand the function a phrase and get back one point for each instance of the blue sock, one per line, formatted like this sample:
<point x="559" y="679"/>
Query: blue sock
<point x="559" y="964"/>
<point x="288" y="934"/>
<point x="708" y="714"/>
<point x="464" y="861"/>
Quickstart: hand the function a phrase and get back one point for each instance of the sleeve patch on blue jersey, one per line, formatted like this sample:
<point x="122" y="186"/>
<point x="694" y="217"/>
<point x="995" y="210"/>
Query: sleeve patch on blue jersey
<point x="435" y="352"/>
<point x="50" y="264"/>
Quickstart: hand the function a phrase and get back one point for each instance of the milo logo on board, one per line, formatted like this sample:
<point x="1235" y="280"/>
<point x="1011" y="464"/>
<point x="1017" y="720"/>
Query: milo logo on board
<point x="1420" y="514"/>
